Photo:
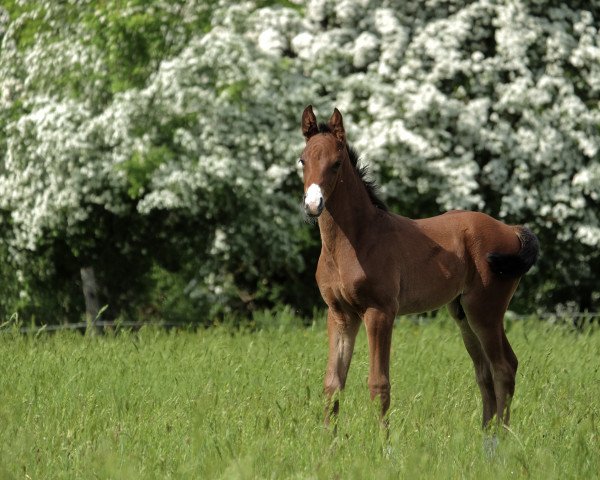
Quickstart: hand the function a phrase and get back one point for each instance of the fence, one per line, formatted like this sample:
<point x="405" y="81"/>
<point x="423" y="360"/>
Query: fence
<point x="576" y="319"/>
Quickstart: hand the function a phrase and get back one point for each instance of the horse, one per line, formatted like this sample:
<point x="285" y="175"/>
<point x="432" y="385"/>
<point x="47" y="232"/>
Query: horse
<point x="375" y="265"/>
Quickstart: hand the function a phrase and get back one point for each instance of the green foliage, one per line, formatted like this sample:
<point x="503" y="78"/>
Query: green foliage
<point x="132" y="36"/>
<point x="140" y="167"/>
<point x="226" y="403"/>
<point x="157" y="141"/>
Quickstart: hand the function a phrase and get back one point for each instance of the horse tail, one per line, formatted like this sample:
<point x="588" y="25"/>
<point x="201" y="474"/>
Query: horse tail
<point x="516" y="265"/>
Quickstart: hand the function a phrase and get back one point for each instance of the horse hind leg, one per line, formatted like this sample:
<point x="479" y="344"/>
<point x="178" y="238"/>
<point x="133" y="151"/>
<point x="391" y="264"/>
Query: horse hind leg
<point x="512" y="359"/>
<point x="483" y="373"/>
<point x="486" y="321"/>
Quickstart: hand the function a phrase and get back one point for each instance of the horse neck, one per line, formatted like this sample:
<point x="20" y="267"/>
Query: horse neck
<point x="347" y="212"/>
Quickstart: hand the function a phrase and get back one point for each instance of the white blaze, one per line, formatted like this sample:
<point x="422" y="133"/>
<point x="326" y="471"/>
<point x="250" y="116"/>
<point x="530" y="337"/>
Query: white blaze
<point x="313" y="198"/>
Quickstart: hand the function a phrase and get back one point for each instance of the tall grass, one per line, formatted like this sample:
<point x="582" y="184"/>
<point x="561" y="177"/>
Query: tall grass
<point x="247" y="403"/>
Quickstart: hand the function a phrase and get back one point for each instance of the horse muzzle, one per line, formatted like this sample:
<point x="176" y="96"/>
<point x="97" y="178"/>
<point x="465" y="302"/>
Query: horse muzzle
<point x="313" y="201"/>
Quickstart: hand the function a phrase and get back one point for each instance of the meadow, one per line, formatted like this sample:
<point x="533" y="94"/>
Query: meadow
<point x="246" y="402"/>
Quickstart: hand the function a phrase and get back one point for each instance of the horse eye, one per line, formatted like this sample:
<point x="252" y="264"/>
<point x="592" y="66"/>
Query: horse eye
<point x="336" y="165"/>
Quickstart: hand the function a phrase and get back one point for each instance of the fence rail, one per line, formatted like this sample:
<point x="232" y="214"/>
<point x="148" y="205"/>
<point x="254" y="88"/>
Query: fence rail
<point x="98" y="325"/>
<point x="9" y="326"/>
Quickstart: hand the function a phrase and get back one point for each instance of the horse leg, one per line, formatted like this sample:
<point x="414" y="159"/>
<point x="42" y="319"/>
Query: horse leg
<point x="503" y="372"/>
<point x="512" y="359"/>
<point x="483" y="373"/>
<point x="379" y="326"/>
<point x="487" y="324"/>
<point x="342" y="332"/>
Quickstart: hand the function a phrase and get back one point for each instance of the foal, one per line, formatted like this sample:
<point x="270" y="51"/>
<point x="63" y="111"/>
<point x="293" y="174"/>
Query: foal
<point x="375" y="265"/>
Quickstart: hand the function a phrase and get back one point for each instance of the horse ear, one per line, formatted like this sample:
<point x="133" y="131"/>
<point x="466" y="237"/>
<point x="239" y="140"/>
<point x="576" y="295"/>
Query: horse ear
<point x="309" y="123"/>
<point x="336" y="125"/>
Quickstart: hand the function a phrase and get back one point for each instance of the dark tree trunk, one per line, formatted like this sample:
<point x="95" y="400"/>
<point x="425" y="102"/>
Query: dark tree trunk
<point x="90" y="293"/>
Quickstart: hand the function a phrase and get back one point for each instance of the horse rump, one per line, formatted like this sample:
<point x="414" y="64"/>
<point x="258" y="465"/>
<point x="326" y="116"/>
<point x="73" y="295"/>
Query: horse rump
<point x="506" y="265"/>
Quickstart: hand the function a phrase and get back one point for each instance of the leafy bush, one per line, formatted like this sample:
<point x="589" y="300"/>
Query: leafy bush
<point x="157" y="142"/>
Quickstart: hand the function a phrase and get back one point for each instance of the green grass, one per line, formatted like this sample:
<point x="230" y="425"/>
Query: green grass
<point x="225" y="403"/>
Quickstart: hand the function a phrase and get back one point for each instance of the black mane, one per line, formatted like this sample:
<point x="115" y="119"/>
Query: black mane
<point x="362" y="172"/>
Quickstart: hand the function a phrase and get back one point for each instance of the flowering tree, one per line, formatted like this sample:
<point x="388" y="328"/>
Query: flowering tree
<point x="483" y="106"/>
<point x="186" y="173"/>
<point x="157" y="144"/>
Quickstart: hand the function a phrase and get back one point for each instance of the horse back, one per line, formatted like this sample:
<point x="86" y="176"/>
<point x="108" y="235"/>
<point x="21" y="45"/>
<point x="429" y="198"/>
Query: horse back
<point x="483" y="242"/>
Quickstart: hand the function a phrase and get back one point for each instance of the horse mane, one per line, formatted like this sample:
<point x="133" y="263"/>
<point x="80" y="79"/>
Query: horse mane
<point x="362" y="171"/>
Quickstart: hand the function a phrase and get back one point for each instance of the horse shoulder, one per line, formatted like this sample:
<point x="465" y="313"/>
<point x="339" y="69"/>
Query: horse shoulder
<point x="372" y="278"/>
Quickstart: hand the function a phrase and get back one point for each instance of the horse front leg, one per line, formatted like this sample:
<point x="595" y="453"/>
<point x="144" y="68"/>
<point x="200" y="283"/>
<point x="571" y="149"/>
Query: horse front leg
<point x="342" y="330"/>
<point x="379" y="326"/>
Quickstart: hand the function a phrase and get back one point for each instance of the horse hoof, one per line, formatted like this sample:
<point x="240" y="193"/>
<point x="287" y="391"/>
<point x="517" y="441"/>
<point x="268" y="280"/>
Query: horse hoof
<point x="490" y="444"/>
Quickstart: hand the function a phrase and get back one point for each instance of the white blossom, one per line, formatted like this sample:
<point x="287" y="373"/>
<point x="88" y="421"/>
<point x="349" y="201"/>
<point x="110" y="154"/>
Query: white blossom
<point x="480" y="105"/>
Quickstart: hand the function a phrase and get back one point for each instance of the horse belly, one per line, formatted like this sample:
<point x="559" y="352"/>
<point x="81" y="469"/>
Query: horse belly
<point x="429" y="290"/>
<point x="421" y="305"/>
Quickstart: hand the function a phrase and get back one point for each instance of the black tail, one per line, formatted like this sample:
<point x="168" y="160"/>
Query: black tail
<point x="514" y="266"/>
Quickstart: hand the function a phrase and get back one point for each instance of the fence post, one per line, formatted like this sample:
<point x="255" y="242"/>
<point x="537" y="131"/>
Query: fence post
<point x="90" y="293"/>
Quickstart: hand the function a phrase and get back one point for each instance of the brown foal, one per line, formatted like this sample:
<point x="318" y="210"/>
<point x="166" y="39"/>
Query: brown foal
<point x="375" y="265"/>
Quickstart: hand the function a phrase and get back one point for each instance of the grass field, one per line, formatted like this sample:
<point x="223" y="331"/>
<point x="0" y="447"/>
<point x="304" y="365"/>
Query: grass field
<point x="226" y="403"/>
